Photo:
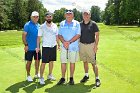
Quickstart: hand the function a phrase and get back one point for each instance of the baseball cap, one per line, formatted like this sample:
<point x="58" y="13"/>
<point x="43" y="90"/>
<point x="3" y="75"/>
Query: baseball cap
<point x="35" y="13"/>
<point x="68" y="11"/>
<point x="49" y="13"/>
<point x="86" y="11"/>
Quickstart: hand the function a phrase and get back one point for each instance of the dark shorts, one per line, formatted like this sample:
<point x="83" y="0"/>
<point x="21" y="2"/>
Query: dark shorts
<point x="49" y="54"/>
<point x="30" y="54"/>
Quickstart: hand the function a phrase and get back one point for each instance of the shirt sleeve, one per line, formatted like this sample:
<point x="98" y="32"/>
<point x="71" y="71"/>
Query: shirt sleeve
<point x="78" y="29"/>
<point x="56" y="30"/>
<point x="26" y="28"/>
<point x="60" y="29"/>
<point x="40" y="31"/>
<point x="95" y="27"/>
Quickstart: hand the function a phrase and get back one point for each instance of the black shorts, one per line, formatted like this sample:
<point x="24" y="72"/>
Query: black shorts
<point x="30" y="54"/>
<point x="49" y="54"/>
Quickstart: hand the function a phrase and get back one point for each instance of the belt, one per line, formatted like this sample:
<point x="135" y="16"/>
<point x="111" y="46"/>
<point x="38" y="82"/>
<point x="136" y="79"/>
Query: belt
<point x="87" y="43"/>
<point x="49" y="46"/>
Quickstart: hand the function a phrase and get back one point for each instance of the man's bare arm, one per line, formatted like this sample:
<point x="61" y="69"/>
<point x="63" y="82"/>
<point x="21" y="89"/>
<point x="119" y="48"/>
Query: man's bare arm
<point x="24" y="38"/>
<point x="75" y="38"/>
<point x="96" y="38"/>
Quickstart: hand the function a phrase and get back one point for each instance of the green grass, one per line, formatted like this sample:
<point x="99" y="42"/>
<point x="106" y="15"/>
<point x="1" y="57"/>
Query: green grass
<point x="10" y="38"/>
<point x="118" y="60"/>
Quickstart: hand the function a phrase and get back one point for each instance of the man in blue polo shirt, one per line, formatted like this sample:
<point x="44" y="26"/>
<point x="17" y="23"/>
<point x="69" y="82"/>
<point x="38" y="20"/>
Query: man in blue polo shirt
<point x="29" y="38"/>
<point x="69" y="34"/>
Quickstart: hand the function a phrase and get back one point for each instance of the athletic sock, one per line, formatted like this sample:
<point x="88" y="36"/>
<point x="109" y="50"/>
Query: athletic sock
<point x="86" y="74"/>
<point x="97" y="77"/>
<point x="50" y="74"/>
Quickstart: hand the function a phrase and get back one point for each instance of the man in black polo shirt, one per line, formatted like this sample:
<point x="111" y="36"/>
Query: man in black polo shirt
<point x="88" y="45"/>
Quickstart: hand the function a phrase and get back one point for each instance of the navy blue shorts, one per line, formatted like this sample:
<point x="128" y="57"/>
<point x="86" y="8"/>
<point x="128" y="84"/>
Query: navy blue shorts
<point x="30" y="54"/>
<point x="49" y="54"/>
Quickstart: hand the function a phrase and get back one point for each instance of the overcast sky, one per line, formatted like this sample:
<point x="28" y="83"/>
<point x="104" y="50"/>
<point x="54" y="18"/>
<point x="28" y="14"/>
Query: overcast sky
<point x="52" y="5"/>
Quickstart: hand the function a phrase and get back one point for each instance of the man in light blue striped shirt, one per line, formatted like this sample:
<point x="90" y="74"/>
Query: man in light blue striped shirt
<point x="69" y="33"/>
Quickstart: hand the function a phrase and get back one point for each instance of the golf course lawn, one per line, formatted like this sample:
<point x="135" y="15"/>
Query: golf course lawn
<point x="118" y="59"/>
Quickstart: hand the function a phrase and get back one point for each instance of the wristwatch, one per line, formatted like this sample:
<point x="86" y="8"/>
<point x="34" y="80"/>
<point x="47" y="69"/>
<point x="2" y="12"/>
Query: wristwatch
<point x="70" y="42"/>
<point x="26" y="44"/>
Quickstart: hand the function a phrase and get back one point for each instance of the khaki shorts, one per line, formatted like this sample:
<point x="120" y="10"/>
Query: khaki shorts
<point x="73" y="56"/>
<point x="86" y="53"/>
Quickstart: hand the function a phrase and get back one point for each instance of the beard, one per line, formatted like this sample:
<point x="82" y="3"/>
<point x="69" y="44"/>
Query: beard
<point x="49" y="21"/>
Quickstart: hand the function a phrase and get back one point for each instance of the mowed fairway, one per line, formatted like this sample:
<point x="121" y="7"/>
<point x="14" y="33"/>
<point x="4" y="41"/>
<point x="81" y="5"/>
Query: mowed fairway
<point x="118" y="61"/>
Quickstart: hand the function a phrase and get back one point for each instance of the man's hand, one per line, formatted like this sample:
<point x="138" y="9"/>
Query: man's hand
<point x="37" y="50"/>
<point x="95" y="48"/>
<point x="66" y="44"/>
<point x="58" y="47"/>
<point x="26" y="48"/>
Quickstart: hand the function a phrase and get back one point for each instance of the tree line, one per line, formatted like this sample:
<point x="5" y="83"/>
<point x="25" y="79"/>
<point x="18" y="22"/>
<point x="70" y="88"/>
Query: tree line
<point x="122" y="12"/>
<point x="15" y="13"/>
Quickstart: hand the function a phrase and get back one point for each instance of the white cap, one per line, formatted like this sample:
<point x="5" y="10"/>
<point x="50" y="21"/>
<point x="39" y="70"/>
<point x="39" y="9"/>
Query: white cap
<point x="86" y="11"/>
<point x="35" y="13"/>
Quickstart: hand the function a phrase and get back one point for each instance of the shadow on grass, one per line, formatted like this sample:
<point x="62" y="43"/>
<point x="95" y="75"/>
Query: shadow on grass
<point x="28" y="87"/>
<point x="77" y="88"/>
<point x="31" y="87"/>
<point x="15" y="87"/>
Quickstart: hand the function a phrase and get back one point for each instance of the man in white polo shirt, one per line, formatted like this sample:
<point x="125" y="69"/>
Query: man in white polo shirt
<point x="49" y="33"/>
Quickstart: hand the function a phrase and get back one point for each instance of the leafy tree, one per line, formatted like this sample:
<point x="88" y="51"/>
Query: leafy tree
<point x="122" y="12"/>
<point x="77" y="15"/>
<point x="36" y="5"/>
<point x="19" y="16"/>
<point x="3" y="16"/>
<point x="95" y="13"/>
<point x="59" y="15"/>
<point x="107" y="13"/>
<point x="116" y="12"/>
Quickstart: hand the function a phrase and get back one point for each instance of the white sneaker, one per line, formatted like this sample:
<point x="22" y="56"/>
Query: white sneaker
<point x="42" y="82"/>
<point x="37" y="76"/>
<point x="51" y="77"/>
<point x="29" y="79"/>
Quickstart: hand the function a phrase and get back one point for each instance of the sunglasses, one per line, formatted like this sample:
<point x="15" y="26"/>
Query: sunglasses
<point x="68" y="11"/>
<point x="35" y="16"/>
<point x="48" y="15"/>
